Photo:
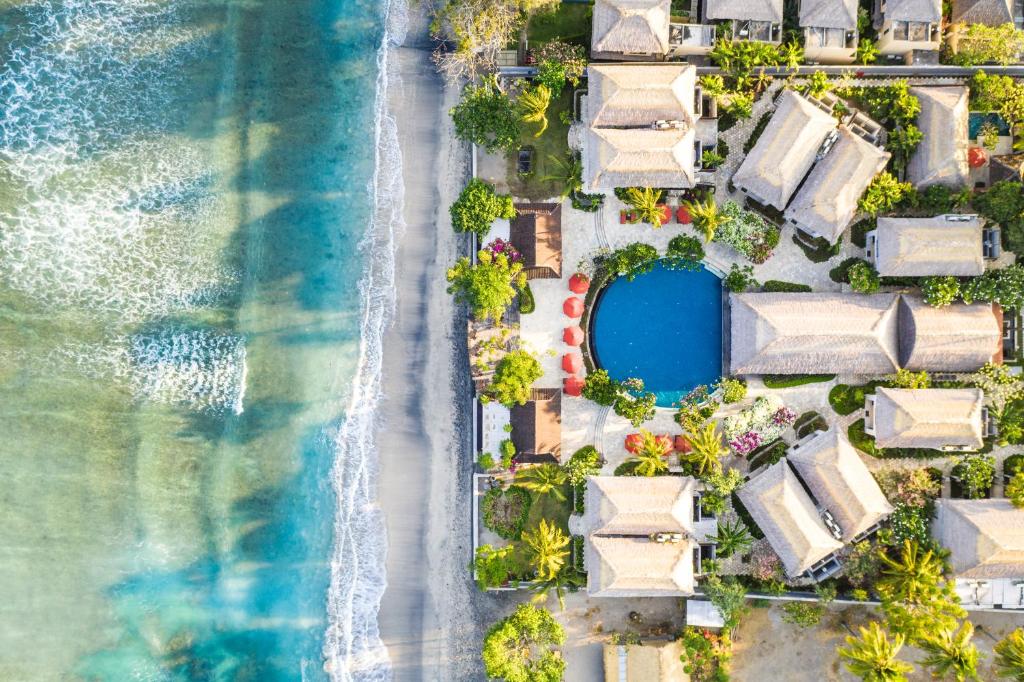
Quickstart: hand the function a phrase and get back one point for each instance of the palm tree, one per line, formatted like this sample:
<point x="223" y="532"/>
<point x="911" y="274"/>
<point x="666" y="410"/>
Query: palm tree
<point x="547" y="549"/>
<point x="913" y="578"/>
<point x="533" y="105"/>
<point x="571" y="177"/>
<point x="1010" y="655"/>
<point x="544" y="479"/>
<point x="565" y="579"/>
<point x="732" y="537"/>
<point x="650" y="454"/>
<point x="950" y="653"/>
<point x="645" y="201"/>
<point x="706" y="216"/>
<point x="872" y="657"/>
<point x="706" y="450"/>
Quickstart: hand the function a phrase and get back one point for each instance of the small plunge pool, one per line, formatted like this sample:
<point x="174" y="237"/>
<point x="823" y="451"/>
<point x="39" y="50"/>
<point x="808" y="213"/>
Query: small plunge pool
<point x="664" y="327"/>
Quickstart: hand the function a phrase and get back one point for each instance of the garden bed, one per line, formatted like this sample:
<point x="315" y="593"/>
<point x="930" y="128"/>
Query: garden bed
<point x="569" y="23"/>
<point x="819" y="250"/>
<point x="846" y="399"/>
<point x="767" y="455"/>
<point x="549" y="148"/>
<point x="808" y="423"/>
<point x="791" y="380"/>
<point x="505" y="511"/>
<point x="861" y="440"/>
<point x="748" y="520"/>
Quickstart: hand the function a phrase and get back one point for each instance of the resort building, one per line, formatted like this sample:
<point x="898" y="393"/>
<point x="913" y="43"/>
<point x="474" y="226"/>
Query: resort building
<point x="840" y="482"/>
<point x="787" y="148"/>
<point x="955" y="245"/>
<point x="647" y="662"/>
<point x="988" y="12"/>
<point x="929" y="418"/>
<point x="941" y="157"/>
<point x="641" y="126"/>
<point x="906" y="27"/>
<point x="830" y="30"/>
<point x="840" y="333"/>
<point x="747" y="19"/>
<point x="536" y="232"/>
<point x="985" y="539"/>
<point x="537" y="427"/>
<point x="644" y="536"/>
<point x="630" y="29"/>
<point x="825" y="204"/>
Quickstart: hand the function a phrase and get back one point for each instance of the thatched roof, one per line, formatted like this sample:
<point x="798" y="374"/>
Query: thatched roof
<point x="785" y="151"/>
<point x="827" y="201"/>
<point x="989" y="12"/>
<point x="631" y="26"/>
<point x="797" y="333"/>
<point x="648" y="662"/>
<point x="956" y="338"/>
<point x="829" y="14"/>
<point x="537" y="425"/>
<point x="985" y="537"/>
<point x="638" y="157"/>
<point x="840" y="482"/>
<point x="745" y="10"/>
<point x="914" y="10"/>
<point x="932" y="418"/>
<point x="784" y="512"/>
<point x="537" y="232"/>
<point x="941" y="158"/>
<point x="637" y="95"/>
<point x="1006" y="167"/>
<point x="634" y="505"/>
<point x="638" y="567"/>
<point x="919" y="247"/>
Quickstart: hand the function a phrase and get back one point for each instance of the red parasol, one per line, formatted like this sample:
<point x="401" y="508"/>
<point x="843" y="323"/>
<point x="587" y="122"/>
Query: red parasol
<point x="573" y="307"/>
<point x="579" y="283"/>
<point x="573" y="386"/>
<point x="573" y="335"/>
<point x="572" y="362"/>
<point x="976" y="157"/>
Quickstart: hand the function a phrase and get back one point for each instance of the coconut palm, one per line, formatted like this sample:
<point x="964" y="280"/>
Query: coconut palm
<point x="872" y="657"/>
<point x="644" y="201"/>
<point x="705" y="216"/>
<point x="951" y="654"/>
<point x="1010" y="655"/>
<point x="913" y="577"/>
<point x="570" y="177"/>
<point x="732" y="537"/>
<point x="546" y="548"/>
<point x="706" y="450"/>
<point x="566" y="578"/>
<point x="533" y="106"/>
<point x="543" y="479"/>
<point x="650" y="455"/>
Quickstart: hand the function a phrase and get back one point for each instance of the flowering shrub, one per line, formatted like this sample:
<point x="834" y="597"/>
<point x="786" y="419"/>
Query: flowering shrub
<point x="746" y="442"/>
<point x="910" y="487"/>
<point x="909" y="523"/>
<point x="763" y="422"/>
<point x="499" y="245"/>
<point x="706" y="654"/>
<point x="747" y="232"/>
<point x="783" y="417"/>
<point x="764" y="563"/>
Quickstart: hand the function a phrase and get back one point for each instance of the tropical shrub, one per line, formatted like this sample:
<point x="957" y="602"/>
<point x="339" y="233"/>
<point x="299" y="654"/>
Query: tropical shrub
<point x="909" y="487"/>
<point x="706" y="654"/>
<point x="803" y="614"/>
<point x="765" y="564"/>
<point x="863" y="278"/>
<point x="718" y="486"/>
<point x="559" y="62"/>
<point x="493" y="566"/>
<point x="505" y="511"/>
<point x="635" y="405"/>
<point x="513" y="377"/>
<point x="909" y="523"/>
<point x="940" y="291"/>
<point x="763" y="422"/>
<point x="778" y="286"/>
<point x="543" y="479"/>
<point x="533" y="106"/>
<point x="1003" y="203"/>
<point x="846" y="399"/>
<point x="489" y="287"/>
<point x="872" y="657"/>
<point x="632" y="260"/>
<point x="1002" y="94"/>
<point x="1009" y="658"/>
<point x="883" y="194"/>
<point x="982" y="44"/>
<point x="740" y="279"/>
<point x="527" y="303"/>
<point x="904" y="378"/>
<point x="523" y="647"/>
<point x="1015" y="489"/>
<point x="732" y="537"/>
<point x="711" y="159"/>
<point x="729" y="596"/>
<point x="1004" y="286"/>
<point x="485" y="461"/>
<point x="601" y="388"/>
<point x="733" y="390"/>
<point x="975" y="475"/>
<point x="703" y="459"/>
<point x="892" y="105"/>
<point x="546" y="548"/>
<point x="478" y="206"/>
<point x="705" y="215"/>
<point x="487" y="117"/>
<point x="685" y="251"/>
<point x="861" y="564"/>
<point x="584" y="462"/>
<point x="747" y="232"/>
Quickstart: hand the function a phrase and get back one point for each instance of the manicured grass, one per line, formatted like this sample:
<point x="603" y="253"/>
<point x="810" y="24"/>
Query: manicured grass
<point x="846" y="399"/>
<point x="553" y="144"/>
<point x="790" y="380"/>
<point x="569" y="23"/>
<point x="860" y="440"/>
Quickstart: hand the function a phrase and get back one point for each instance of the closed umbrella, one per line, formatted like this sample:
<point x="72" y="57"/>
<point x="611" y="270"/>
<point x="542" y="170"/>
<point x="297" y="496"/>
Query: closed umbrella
<point x="573" y="307"/>
<point x="573" y="335"/>
<point x="572" y="362"/>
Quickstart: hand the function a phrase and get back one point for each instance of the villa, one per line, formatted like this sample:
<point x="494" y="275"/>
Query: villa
<point x="645" y="536"/>
<point x="642" y="126"/>
<point x="748" y="20"/>
<point x="954" y="245"/>
<point x="988" y="12"/>
<point x="536" y="232"/>
<point x="537" y="427"/>
<point x="906" y="27"/>
<point x="929" y="418"/>
<point x="941" y="158"/>
<point x="647" y="662"/>
<point x="839" y="333"/>
<point x="986" y="542"/>
<point x="788" y="147"/>
<point x="830" y="30"/>
<point x="630" y="29"/>
<point x="826" y="203"/>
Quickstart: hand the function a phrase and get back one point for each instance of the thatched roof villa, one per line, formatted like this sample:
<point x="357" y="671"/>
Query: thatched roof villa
<point x="825" y="204"/>
<point x="941" y="158"/>
<point x="988" y="12"/>
<point x="932" y="418"/>
<point x="647" y="662"/>
<point x="536" y="232"/>
<point x="785" y="151"/>
<point x="750" y="19"/>
<point x="641" y="126"/>
<point x="921" y="247"/>
<point x="843" y="333"/>
<point x="985" y="537"/>
<point x="830" y="30"/>
<point x="630" y="29"/>
<point x="634" y="505"/>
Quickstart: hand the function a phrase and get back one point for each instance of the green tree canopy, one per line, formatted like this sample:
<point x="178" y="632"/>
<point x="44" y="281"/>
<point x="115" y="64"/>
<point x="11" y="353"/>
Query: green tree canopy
<point x="533" y="106"/>
<point x="487" y="117"/>
<point x="872" y="656"/>
<point x="950" y="653"/>
<point x="1010" y="656"/>
<point x="478" y="206"/>
<point x="645" y="201"/>
<point x="492" y="565"/>
<point x="543" y="479"/>
<point x="523" y="647"/>
<point x="982" y="44"/>
<point x="513" y="377"/>
<point x="729" y="596"/>
<point x="884" y="192"/>
<point x="489" y="287"/>
<point x="940" y="291"/>
<point x="547" y="548"/>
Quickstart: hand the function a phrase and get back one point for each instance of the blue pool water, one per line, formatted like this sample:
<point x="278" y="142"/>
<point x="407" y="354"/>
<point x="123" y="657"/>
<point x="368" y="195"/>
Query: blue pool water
<point x="664" y="327"/>
<point x="978" y="119"/>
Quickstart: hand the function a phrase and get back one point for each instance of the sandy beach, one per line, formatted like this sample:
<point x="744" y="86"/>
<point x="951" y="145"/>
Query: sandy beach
<point x="429" y="617"/>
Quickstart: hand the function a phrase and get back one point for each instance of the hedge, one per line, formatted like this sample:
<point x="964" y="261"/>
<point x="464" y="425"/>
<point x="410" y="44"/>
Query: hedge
<point x="790" y="380"/>
<point x="820" y="251"/>
<point x="846" y="399"/>
<point x="778" y="286"/>
<point x="861" y="440"/>
<point x="527" y="304"/>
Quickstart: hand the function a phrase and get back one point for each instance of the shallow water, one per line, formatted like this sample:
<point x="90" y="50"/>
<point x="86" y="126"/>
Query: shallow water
<point x="183" y="190"/>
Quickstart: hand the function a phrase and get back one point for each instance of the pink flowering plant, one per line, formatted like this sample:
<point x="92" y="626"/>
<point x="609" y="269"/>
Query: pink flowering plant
<point x="783" y="417"/>
<point x="762" y="422"/>
<point x="746" y="442"/>
<point x="499" y="245"/>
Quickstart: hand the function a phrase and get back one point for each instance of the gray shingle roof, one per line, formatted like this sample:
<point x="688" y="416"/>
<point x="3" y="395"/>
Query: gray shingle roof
<point x="745" y="10"/>
<point x="941" y="158"/>
<point x="637" y="26"/>
<point x="985" y="537"/>
<point x="829" y="13"/>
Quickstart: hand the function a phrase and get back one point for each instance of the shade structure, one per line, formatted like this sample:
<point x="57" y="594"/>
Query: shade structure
<point x="633" y="442"/>
<point x="573" y="307"/>
<point x="683" y="216"/>
<point x="579" y="283"/>
<point x="572" y="362"/>
<point x="682" y="444"/>
<point x="976" y="157"/>
<point x="573" y="386"/>
<point x="573" y="335"/>
<point x="665" y="442"/>
<point x="666" y="213"/>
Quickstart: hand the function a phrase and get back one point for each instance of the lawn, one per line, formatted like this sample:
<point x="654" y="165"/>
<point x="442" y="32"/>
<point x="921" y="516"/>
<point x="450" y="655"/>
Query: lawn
<point x="791" y="380"/>
<point x="569" y="23"/>
<point x="543" y="507"/>
<point x="553" y="144"/>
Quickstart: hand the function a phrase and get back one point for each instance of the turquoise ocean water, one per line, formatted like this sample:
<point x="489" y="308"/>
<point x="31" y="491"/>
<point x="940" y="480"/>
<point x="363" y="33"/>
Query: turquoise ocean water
<point x="194" y="276"/>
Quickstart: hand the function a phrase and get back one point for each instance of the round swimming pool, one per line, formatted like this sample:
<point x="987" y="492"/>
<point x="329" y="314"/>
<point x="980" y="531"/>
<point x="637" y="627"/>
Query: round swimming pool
<point x="664" y="327"/>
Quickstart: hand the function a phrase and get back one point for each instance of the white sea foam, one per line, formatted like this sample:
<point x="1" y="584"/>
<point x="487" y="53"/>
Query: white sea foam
<point x="353" y="649"/>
